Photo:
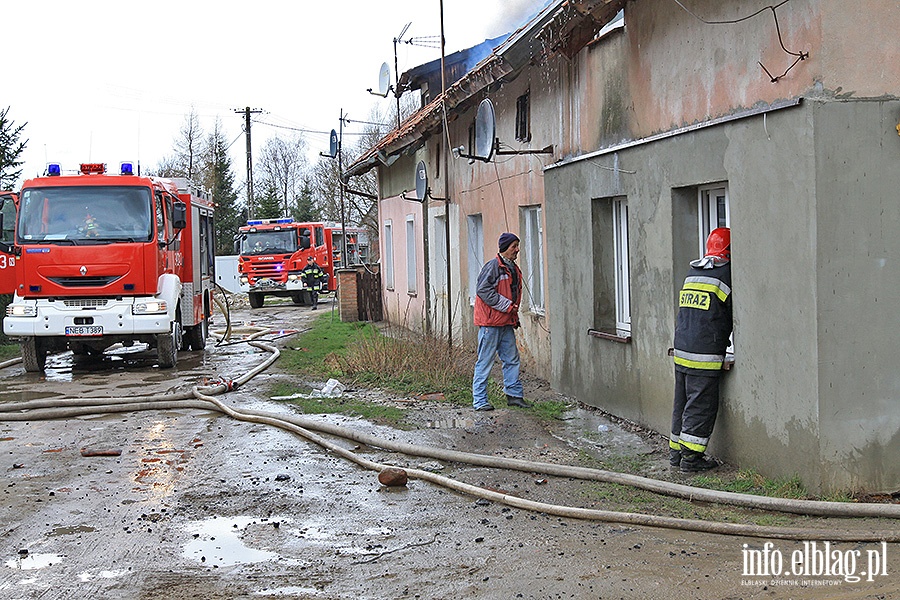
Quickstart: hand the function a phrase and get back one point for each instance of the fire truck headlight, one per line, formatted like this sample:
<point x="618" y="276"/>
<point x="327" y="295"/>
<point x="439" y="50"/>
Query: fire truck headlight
<point x="292" y="277"/>
<point x="149" y="307"/>
<point x="21" y="310"/>
<point x="245" y="279"/>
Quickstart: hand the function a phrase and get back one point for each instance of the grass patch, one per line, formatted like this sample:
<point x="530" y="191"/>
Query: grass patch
<point x="748" y="481"/>
<point x="550" y="410"/>
<point x="402" y="362"/>
<point x="8" y="351"/>
<point x="317" y="351"/>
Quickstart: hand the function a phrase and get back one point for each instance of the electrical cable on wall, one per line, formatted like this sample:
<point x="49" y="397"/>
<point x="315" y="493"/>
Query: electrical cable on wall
<point x="773" y="78"/>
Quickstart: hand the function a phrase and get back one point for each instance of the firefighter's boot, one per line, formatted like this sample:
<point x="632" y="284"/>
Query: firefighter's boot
<point x="694" y="462"/>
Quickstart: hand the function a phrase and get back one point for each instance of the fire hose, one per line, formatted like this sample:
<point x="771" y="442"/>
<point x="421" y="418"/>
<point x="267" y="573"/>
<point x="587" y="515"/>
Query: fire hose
<point x="203" y="398"/>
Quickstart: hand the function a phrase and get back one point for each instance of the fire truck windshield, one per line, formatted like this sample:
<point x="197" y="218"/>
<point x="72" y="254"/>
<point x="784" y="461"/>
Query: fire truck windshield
<point x="269" y="242"/>
<point x="95" y="214"/>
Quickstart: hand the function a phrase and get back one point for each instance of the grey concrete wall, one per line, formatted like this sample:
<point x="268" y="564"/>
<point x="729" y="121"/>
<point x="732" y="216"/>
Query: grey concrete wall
<point x="769" y="416"/>
<point x="858" y="253"/>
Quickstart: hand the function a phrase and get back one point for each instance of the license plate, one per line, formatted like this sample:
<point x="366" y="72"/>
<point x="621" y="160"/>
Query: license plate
<point x="85" y="330"/>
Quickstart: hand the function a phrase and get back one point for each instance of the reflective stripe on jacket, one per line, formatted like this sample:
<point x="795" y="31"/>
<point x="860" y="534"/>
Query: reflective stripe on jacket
<point x="496" y="302"/>
<point x="704" y="321"/>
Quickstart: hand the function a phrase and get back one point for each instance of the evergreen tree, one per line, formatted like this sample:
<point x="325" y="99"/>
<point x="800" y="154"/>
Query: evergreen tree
<point x="219" y="179"/>
<point x="304" y="209"/>
<point x="10" y="150"/>
<point x="268" y="204"/>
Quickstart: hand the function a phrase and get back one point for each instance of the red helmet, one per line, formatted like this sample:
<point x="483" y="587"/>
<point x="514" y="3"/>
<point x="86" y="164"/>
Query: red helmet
<point x="718" y="243"/>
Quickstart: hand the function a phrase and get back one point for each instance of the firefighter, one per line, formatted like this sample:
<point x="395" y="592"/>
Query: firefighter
<point x="313" y="277"/>
<point x="702" y="333"/>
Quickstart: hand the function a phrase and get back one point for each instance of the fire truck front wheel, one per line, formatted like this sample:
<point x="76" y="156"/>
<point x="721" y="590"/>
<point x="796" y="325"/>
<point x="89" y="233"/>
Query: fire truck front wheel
<point x="34" y="354"/>
<point x="256" y="299"/>
<point x="167" y="345"/>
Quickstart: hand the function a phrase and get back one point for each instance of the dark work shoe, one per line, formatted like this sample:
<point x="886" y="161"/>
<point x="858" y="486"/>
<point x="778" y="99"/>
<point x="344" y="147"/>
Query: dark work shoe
<point x="487" y="406"/>
<point x="674" y="458"/>
<point x="314" y="307"/>
<point x="517" y="401"/>
<point x="698" y="463"/>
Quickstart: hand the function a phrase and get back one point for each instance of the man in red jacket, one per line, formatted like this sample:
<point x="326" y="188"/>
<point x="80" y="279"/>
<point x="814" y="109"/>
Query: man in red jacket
<point x="498" y="293"/>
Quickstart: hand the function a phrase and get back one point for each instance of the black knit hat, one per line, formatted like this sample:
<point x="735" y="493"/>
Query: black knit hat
<point x="506" y="240"/>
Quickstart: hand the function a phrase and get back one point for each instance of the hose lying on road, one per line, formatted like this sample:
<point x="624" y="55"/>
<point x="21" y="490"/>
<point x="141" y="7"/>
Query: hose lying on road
<point x="202" y="398"/>
<point x="10" y="362"/>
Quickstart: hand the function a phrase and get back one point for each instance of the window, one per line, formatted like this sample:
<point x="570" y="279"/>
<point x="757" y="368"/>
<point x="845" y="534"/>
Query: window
<point x="439" y="255"/>
<point x="533" y="258"/>
<point x="620" y="243"/>
<point x="388" y="255"/>
<point x="713" y="211"/>
<point x="8" y="216"/>
<point x="523" y="118"/>
<point x="612" y="293"/>
<point x="410" y="254"/>
<point x="475" y="253"/>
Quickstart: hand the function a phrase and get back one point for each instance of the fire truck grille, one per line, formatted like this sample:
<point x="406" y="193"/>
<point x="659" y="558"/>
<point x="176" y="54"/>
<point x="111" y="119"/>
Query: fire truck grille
<point x="270" y="270"/>
<point x="86" y="303"/>
<point x="79" y="282"/>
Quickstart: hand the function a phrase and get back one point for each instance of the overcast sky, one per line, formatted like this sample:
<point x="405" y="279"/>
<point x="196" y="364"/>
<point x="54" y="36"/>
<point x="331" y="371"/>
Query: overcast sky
<point x="105" y="81"/>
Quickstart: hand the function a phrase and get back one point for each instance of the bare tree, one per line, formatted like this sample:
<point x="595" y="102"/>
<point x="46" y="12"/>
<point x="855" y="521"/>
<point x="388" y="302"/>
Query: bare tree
<point x="185" y="162"/>
<point x="283" y="165"/>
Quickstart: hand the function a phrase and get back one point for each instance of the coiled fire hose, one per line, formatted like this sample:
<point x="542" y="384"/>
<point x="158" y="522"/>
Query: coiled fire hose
<point x="202" y="398"/>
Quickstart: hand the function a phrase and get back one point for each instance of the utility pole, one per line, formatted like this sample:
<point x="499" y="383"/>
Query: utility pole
<point x="247" y="112"/>
<point x="344" y="258"/>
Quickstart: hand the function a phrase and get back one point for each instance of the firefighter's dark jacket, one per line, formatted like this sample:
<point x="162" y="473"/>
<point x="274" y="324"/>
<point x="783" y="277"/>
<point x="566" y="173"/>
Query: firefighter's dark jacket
<point x="704" y="320"/>
<point x="312" y="276"/>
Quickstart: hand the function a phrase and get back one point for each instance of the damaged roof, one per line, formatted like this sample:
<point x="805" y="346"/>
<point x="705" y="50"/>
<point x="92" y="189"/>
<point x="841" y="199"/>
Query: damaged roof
<point x="563" y="27"/>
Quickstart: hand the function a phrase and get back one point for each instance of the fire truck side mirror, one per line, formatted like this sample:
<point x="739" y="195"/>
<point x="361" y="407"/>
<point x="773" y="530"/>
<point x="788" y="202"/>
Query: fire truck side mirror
<point x="179" y="215"/>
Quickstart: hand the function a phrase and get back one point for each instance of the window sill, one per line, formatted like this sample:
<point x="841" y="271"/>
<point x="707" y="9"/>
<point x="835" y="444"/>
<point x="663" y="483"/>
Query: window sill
<point x="621" y="337"/>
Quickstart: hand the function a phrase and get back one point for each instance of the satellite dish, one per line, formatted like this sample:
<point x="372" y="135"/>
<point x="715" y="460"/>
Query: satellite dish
<point x="333" y="144"/>
<point x="485" y="131"/>
<point x="384" y="80"/>
<point x="421" y="181"/>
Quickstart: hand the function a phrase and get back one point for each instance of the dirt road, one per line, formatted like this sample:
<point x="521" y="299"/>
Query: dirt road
<point x="189" y="504"/>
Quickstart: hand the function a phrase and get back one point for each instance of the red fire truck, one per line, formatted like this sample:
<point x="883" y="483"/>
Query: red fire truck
<point x="102" y="259"/>
<point x="273" y="253"/>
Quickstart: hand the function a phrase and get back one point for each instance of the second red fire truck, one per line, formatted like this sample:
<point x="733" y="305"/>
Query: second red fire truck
<point x="272" y="254"/>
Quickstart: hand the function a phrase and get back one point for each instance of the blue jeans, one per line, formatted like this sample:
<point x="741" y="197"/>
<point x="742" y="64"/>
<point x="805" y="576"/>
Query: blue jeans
<point x="501" y="342"/>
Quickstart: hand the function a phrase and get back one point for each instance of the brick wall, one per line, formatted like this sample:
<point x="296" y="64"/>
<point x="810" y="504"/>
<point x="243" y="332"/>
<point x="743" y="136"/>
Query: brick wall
<point x="347" y="293"/>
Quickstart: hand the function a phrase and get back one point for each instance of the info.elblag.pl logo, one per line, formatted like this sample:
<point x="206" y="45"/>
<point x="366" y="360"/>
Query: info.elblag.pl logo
<point x="824" y="561"/>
